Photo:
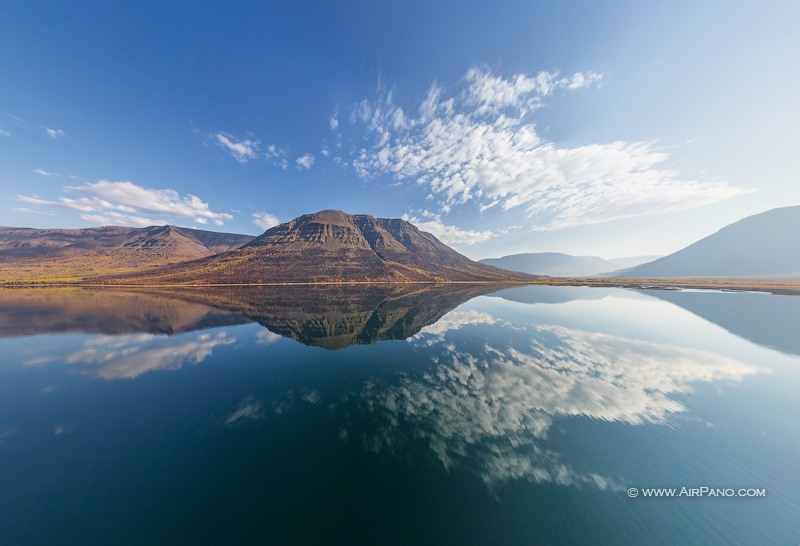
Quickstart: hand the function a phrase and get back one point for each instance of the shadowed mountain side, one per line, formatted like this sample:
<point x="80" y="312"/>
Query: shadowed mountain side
<point x="760" y="318"/>
<point x="758" y="245"/>
<point x="71" y="254"/>
<point x="64" y="310"/>
<point x="334" y="317"/>
<point x="329" y="246"/>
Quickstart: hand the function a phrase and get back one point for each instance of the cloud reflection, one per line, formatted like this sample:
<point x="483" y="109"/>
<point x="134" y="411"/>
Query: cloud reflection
<point x="249" y="409"/>
<point x="267" y="337"/>
<point x="128" y="356"/>
<point x="496" y="406"/>
<point x="454" y="320"/>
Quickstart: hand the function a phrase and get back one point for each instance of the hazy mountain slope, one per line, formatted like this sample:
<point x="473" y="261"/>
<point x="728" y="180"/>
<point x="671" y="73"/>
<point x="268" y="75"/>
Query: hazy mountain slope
<point x="633" y="261"/>
<point x="330" y="246"/>
<point x="71" y="254"/>
<point x="556" y="264"/>
<point x="763" y="244"/>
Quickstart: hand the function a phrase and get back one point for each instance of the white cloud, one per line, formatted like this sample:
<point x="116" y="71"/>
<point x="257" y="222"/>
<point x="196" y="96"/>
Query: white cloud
<point x="241" y="150"/>
<point x="333" y="122"/>
<point x="479" y="145"/>
<point x="33" y="211"/>
<point x="278" y="156"/>
<point x="449" y="235"/>
<point x="580" y="79"/>
<point x="305" y="161"/>
<point x="4" y="133"/>
<point x="45" y="173"/>
<point x="125" y="203"/>
<point x="265" y="220"/>
<point x="54" y="133"/>
<point x="111" y="218"/>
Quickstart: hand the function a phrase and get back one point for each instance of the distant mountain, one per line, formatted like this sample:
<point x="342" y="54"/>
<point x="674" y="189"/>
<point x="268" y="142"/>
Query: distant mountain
<point x="330" y="246"/>
<point x="555" y="264"/>
<point x="71" y="254"/>
<point x="763" y="244"/>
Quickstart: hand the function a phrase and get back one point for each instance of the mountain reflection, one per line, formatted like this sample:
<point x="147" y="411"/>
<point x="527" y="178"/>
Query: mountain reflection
<point x="769" y="320"/>
<point x="332" y="317"/>
<point x="494" y="406"/>
<point x="31" y="311"/>
<point x="482" y="387"/>
<point x="335" y="317"/>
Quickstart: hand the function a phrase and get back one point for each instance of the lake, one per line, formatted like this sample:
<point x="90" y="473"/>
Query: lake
<point x="455" y="414"/>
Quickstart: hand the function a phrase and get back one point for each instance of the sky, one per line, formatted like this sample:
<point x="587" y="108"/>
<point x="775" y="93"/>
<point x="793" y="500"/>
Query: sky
<point x="592" y="128"/>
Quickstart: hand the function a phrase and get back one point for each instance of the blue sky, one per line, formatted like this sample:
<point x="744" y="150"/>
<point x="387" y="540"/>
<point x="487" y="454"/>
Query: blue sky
<point x="608" y="129"/>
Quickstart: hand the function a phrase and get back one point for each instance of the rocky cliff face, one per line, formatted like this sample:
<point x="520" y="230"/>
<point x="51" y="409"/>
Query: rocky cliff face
<point x="331" y="246"/>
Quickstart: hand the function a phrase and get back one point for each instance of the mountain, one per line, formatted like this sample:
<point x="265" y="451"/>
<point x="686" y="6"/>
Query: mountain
<point x="72" y="254"/>
<point x="555" y="264"/>
<point x="758" y="245"/>
<point x="329" y="246"/>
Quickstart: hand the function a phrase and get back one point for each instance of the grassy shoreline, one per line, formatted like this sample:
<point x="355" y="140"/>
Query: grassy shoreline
<point x="757" y="284"/>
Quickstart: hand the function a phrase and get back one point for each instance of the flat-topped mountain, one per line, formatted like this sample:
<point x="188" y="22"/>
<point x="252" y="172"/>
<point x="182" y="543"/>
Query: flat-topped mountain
<point x="759" y="245"/>
<point x="556" y="264"/>
<point x="330" y="246"/>
<point x="28" y="254"/>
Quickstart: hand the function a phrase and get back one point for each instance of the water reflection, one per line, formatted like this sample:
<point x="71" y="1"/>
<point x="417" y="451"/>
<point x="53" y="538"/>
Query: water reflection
<point x="493" y="406"/>
<point x="332" y="317"/>
<point x="586" y="392"/>
<point x="335" y="317"/>
<point x="52" y="310"/>
<point x="130" y="355"/>
<point x="766" y="319"/>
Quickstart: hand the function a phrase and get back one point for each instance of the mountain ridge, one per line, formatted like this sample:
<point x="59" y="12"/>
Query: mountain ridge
<point x="329" y="246"/>
<point x="757" y="245"/>
<point x="30" y="254"/>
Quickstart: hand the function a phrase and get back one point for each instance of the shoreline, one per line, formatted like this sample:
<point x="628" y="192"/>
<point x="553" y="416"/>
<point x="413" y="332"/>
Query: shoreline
<point x="731" y="284"/>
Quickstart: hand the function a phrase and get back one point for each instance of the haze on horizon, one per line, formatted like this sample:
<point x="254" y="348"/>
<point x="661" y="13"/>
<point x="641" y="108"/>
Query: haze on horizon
<point x="612" y="130"/>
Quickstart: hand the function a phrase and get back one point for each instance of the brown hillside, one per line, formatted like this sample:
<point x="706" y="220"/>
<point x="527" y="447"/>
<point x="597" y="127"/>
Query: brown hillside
<point x="329" y="246"/>
<point x="48" y="255"/>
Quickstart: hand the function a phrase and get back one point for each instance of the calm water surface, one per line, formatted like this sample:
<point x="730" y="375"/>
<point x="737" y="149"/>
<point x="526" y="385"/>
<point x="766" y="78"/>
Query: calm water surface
<point x="449" y="415"/>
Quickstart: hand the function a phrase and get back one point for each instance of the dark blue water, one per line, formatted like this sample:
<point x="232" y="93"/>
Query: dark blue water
<point x="449" y="415"/>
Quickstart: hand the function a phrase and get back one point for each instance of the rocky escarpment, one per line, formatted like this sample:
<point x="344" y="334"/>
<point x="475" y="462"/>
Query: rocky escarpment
<point x="330" y="246"/>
